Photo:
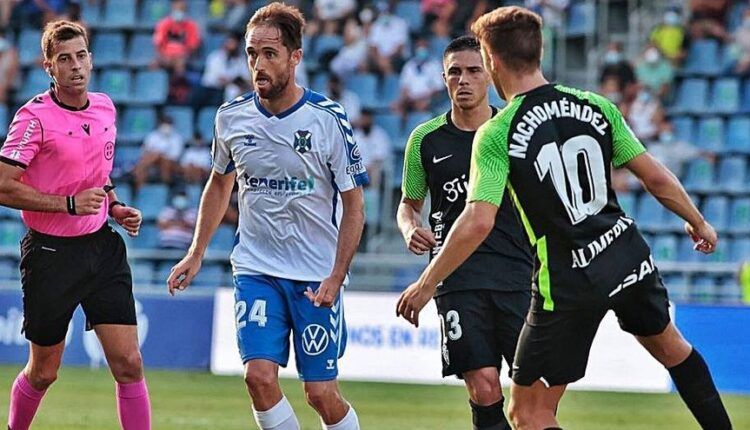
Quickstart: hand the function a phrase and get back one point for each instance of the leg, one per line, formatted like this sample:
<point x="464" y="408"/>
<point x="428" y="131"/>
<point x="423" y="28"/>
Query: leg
<point x="271" y="409"/>
<point x="335" y="412"/>
<point x="141" y="170"/>
<point x="32" y="383"/>
<point x="486" y="399"/>
<point x="534" y="407"/>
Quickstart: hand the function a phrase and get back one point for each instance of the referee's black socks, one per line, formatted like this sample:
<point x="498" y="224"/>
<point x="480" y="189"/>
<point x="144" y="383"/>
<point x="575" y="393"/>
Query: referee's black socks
<point x="489" y="417"/>
<point x="696" y="387"/>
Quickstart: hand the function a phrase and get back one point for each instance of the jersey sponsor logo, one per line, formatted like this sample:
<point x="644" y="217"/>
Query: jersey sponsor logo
<point x="437" y="160"/>
<point x="584" y="256"/>
<point x="646" y="267"/>
<point x="537" y="115"/>
<point x="249" y="140"/>
<point x="109" y="150"/>
<point x="302" y="141"/>
<point x="30" y="128"/>
<point x="355" y="169"/>
<point x="286" y="186"/>
<point x="354" y="154"/>
<point x="455" y="188"/>
<point x="314" y="339"/>
<point x="438" y="230"/>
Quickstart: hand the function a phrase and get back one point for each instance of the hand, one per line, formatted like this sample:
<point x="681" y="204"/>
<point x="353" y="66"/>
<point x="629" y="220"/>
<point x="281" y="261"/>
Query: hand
<point x="183" y="273"/>
<point x="326" y="294"/>
<point x="704" y="236"/>
<point x="420" y="240"/>
<point x="412" y="300"/>
<point x="129" y="218"/>
<point x="89" y="202"/>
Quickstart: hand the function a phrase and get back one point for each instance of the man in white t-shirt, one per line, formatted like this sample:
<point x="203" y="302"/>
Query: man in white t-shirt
<point x="421" y="79"/>
<point x="196" y="160"/>
<point x="374" y="145"/>
<point x="388" y="39"/>
<point x="162" y="149"/>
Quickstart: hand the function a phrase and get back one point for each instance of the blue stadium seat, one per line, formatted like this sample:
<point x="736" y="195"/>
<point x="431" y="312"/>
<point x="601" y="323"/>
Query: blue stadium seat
<point x="738" y="135"/>
<point x="391" y="123"/>
<point x="11" y="231"/>
<point x="183" y="120"/>
<point x="211" y="42"/>
<point x="35" y="82"/>
<point x="665" y="248"/>
<point x="739" y="216"/>
<point x="319" y="83"/>
<point x="143" y="272"/>
<point x="108" y="49"/>
<point x="117" y="84"/>
<point x="580" y="19"/>
<point x="126" y="157"/>
<point x="677" y="286"/>
<point x="627" y="202"/>
<point x="141" y="51"/>
<point x="651" y="214"/>
<point x="194" y="192"/>
<point x="206" y="122"/>
<point x="29" y="49"/>
<point x="703" y="288"/>
<point x="9" y="213"/>
<point x="700" y="176"/>
<point x="710" y="134"/>
<point x="210" y="275"/>
<point x="438" y="45"/>
<point x="366" y="87"/>
<point x="716" y="211"/>
<point x="732" y="172"/>
<point x="390" y="90"/>
<point x="119" y="14"/>
<point x="326" y="43"/>
<point x="223" y="239"/>
<point x="124" y="192"/>
<point x="91" y="12"/>
<point x="152" y="11"/>
<point x="411" y="12"/>
<point x="197" y="11"/>
<point x="137" y="122"/>
<point x="151" y="87"/>
<point x="691" y="96"/>
<point x="151" y="199"/>
<point x="9" y="270"/>
<point x="725" y="97"/>
<point x="722" y="252"/>
<point x="685" y="251"/>
<point x="416" y="118"/>
<point x="703" y="58"/>
<point x="495" y="99"/>
<point x="684" y="128"/>
<point x="148" y="237"/>
<point x="4" y="120"/>
<point x="398" y="168"/>
<point x="740" y="250"/>
<point x="728" y="290"/>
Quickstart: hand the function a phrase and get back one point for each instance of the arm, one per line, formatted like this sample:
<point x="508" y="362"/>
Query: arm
<point x="414" y="189"/>
<point x="409" y="218"/>
<point x="17" y="195"/>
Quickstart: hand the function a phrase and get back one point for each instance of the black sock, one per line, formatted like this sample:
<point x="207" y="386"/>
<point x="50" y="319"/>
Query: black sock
<point x="696" y="387"/>
<point x="489" y="417"/>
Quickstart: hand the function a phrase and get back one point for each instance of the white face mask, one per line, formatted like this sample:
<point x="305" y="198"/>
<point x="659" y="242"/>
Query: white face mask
<point x="651" y="56"/>
<point x="612" y="57"/>
<point x="165" y="128"/>
<point x="180" y="202"/>
<point x="671" y="18"/>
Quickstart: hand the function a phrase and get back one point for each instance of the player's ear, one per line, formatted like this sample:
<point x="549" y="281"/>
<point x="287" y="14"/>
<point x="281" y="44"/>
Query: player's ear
<point x="297" y="56"/>
<point x="47" y="67"/>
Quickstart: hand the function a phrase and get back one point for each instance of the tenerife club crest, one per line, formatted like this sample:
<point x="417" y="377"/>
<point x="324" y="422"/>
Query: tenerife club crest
<point x="302" y="141"/>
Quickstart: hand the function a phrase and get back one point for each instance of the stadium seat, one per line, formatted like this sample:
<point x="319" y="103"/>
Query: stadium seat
<point x="627" y="202"/>
<point x="391" y="123"/>
<point x="151" y="12"/>
<point x="740" y="251"/>
<point x="126" y="157"/>
<point x="151" y="87"/>
<point x="366" y="87"/>
<point x="684" y="128"/>
<point x="11" y="232"/>
<point x="677" y="286"/>
<point x="722" y="252"/>
<point x="739" y="216"/>
<point x="414" y="119"/>
<point x="665" y="248"/>
<point x="183" y="120"/>
<point x="495" y="99"/>
<point x="691" y="96"/>
<point x="197" y="11"/>
<point x="9" y="213"/>
<point x="108" y="49"/>
<point x="119" y="14"/>
<point x="685" y="251"/>
<point x="206" y="122"/>
<point x="4" y="120"/>
<point x="194" y="192"/>
<point x="124" y="192"/>
<point x="700" y="175"/>
<point x="35" y="82"/>
<point x="210" y="275"/>
<point x="223" y="239"/>
<point x="703" y="288"/>
<point x="728" y="290"/>
<point x="326" y="43"/>
<point x="732" y="172"/>
<point x="438" y="45"/>
<point x="411" y="12"/>
<point x="651" y="214"/>
<point x="29" y="50"/>
<point x="117" y="84"/>
<point x="91" y="12"/>
<point x="398" y="168"/>
<point x="148" y="237"/>
<point x="151" y="199"/>
<point x="710" y="134"/>
<point x="390" y="89"/>
<point x="738" y="135"/>
<point x="716" y="210"/>
<point x="137" y="122"/>
<point x="143" y="272"/>
<point x="725" y="96"/>
<point x="703" y="58"/>
<point x="580" y="19"/>
<point x="319" y="83"/>
<point x="141" y="51"/>
<point x="8" y="270"/>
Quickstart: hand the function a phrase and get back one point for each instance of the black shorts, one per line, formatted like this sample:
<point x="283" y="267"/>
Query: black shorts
<point x="480" y="327"/>
<point x="554" y="346"/>
<point x="59" y="273"/>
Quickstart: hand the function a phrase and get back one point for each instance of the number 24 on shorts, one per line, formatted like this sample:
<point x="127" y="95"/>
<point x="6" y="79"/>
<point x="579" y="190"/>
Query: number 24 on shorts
<point x="257" y="313"/>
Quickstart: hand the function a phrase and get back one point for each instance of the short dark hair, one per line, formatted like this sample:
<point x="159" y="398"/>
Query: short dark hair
<point x="463" y="43"/>
<point x="514" y="34"/>
<point x="287" y="19"/>
<point x="56" y="32"/>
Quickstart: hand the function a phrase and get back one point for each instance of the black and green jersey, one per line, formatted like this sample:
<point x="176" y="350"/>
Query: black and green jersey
<point x="554" y="146"/>
<point x="438" y="156"/>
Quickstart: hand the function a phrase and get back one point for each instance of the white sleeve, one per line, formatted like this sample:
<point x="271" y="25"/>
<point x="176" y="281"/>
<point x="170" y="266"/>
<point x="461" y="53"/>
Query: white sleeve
<point x="221" y="155"/>
<point x="344" y="158"/>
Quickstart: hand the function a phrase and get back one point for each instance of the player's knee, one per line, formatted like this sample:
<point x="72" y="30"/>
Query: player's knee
<point x="321" y="396"/>
<point x="259" y="381"/>
<point x="41" y="379"/>
<point x="484" y="387"/>
<point x="521" y="414"/>
<point x="127" y="367"/>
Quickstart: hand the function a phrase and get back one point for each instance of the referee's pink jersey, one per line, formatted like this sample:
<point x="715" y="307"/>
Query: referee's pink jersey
<point x="63" y="151"/>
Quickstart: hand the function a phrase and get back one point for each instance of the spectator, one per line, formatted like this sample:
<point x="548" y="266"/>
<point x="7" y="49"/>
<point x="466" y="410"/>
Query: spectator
<point x="223" y="66"/>
<point x="196" y="160"/>
<point x="616" y="65"/>
<point x="34" y="13"/>
<point x="421" y="80"/>
<point x="707" y="19"/>
<point x="552" y="11"/>
<point x="374" y="146"/>
<point x="387" y="40"/>
<point x="334" y="10"/>
<point x="347" y="99"/>
<point x="742" y="45"/>
<point x="669" y="36"/>
<point x="8" y="69"/>
<point x="438" y="15"/>
<point x="655" y="72"/>
<point x="673" y="152"/>
<point x="353" y="55"/>
<point x="610" y="88"/>
<point x="162" y="149"/>
<point x="238" y="12"/>
<point x="176" y="38"/>
<point x="644" y="114"/>
<point x="176" y="223"/>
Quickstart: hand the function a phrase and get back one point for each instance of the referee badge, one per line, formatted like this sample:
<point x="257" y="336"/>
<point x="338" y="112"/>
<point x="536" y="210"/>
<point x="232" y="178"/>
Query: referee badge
<point x="302" y="141"/>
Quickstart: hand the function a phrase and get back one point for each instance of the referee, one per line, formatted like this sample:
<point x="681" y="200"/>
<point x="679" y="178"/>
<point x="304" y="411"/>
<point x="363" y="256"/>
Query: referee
<point x="55" y="167"/>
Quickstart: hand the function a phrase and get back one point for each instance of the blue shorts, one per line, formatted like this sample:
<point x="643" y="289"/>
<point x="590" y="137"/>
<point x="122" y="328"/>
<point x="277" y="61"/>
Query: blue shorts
<point x="268" y="308"/>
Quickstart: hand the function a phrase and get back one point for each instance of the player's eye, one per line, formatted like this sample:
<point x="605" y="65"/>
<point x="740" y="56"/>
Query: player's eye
<point x="81" y="56"/>
<point x="270" y="54"/>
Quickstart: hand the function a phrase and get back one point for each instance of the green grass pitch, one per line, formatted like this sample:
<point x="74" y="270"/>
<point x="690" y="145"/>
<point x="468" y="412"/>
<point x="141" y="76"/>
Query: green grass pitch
<point x="84" y="399"/>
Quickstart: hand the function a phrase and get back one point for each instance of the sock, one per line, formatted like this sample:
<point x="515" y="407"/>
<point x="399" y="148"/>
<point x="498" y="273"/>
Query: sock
<point x="279" y="417"/>
<point x="696" y="387"/>
<point x="349" y="422"/>
<point x="134" y="406"/>
<point x="489" y="417"/>
<point x="24" y="401"/>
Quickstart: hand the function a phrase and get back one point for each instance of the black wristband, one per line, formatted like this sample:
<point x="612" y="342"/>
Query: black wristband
<point x="70" y="203"/>
<point x="113" y="204"/>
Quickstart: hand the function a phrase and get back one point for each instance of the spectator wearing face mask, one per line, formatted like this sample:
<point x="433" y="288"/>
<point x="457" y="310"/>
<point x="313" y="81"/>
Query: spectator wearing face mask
<point x="196" y="160"/>
<point x="615" y="64"/>
<point x="420" y="81"/>
<point x="176" y="223"/>
<point x="8" y="69"/>
<point x="644" y="113"/>
<point x="161" y="149"/>
<point x="348" y="99"/>
<point x="669" y="36"/>
<point x="374" y="146"/>
<point x="353" y="55"/>
<point x="223" y="67"/>
<point x="655" y="72"/>
<point x="742" y="45"/>
<point x="176" y="38"/>
<point x="387" y="40"/>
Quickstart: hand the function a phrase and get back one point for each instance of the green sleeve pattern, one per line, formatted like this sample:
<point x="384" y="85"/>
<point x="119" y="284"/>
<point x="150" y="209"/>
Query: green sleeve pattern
<point x="414" y="184"/>
<point x="625" y="146"/>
